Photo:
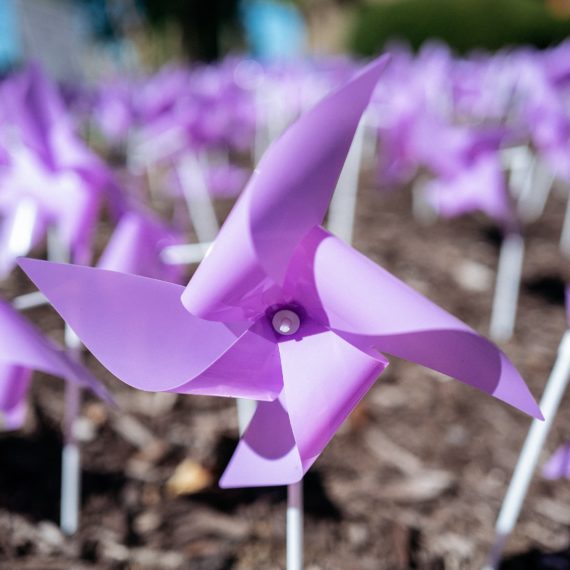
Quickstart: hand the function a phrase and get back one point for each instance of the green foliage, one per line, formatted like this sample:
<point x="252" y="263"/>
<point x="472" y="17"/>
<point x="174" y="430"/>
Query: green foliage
<point x="462" y="24"/>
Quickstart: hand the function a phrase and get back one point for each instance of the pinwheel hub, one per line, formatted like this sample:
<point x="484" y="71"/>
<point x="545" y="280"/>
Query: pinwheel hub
<point x="286" y="322"/>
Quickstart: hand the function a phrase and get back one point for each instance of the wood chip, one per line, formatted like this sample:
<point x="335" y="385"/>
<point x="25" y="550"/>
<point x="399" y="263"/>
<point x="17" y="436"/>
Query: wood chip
<point x="390" y="452"/>
<point x="419" y="488"/>
<point x="189" y="477"/>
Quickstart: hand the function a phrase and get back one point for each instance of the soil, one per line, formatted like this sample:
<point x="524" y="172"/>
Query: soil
<point x="414" y="479"/>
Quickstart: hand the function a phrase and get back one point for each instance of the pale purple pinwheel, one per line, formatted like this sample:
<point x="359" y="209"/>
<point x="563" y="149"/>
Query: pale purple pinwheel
<point x="479" y="186"/>
<point x="44" y="198"/>
<point x="113" y="110"/>
<point x="226" y="180"/>
<point x="160" y="93"/>
<point x="36" y="110"/>
<point x="135" y="247"/>
<point x="279" y="311"/>
<point x="210" y="112"/>
<point x="24" y="349"/>
<point x="558" y="466"/>
<point x="48" y="155"/>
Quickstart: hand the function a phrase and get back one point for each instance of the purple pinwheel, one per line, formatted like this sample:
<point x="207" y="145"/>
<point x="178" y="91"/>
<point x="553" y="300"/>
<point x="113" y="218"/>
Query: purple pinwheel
<point x="52" y="175"/>
<point x="34" y="198"/>
<point x="226" y="180"/>
<point x="279" y="311"/>
<point x="558" y="466"/>
<point x="479" y="186"/>
<point x="113" y="110"/>
<point x="135" y="247"/>
<point x="24" y="349"/>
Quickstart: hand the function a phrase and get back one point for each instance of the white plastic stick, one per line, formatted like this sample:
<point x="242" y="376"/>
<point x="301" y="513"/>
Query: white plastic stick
<point x="535" y="191"/>
<point x="507" y="287"/>
<point x="371" y="120"/>
<point x="150" y="150"/>
<point x="342" y="210"/>
<point x="19" y="231"/>
<point x="518" y="487"/>
<point x="185" y="254"/>
<point x="198" y="200"/>
<point x="422" y="209"/>
<point x="245" y="410"/>
<point x="519" y="162"/>
<point x="295" y="526"/>
<point x="261" y="141"/>
<point x="29" y="301"/>
<point x="71" y="461"/>
<point x="565" y="235"/>
<point x="25" y="218"/>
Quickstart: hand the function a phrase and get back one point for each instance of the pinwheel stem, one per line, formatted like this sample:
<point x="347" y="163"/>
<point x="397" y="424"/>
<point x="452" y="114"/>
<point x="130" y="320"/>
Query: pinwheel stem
<point x="25" y="220"/>
<point x="29" y="301"/>
<point x="422" y="209"/>
<point x="245" y="411"/>
<point x="295" y="526"/>
<point x="71" y="468"/>
<point x="185" y="254"/>
<point x="565" y="235"/>
<point x="507" y="287"/>
<point x="535" y="191"/>
<point x="518" y="487"/>
<point x="71" y="461"/>
<point x="197" y="196"/>
<point x="342" y="210"/>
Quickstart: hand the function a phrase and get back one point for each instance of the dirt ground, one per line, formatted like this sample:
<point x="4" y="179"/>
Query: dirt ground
<point x="414" y="479"/>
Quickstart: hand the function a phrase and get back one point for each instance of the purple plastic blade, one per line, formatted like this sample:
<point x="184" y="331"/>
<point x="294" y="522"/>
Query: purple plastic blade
<point x="25" y="346"/>
<point x="477" y="187"/>
<point x="558" y="466"/>
<point x="138" y="328"/>
<point x="288" y="194"/>
<point x="14" y="384"/>
<point x="136" y="245"/>
<point x="36" y="108"/>
<point x="370" y="307"/>
<point x="250" y="368"/>
<point x="324" y="378"/>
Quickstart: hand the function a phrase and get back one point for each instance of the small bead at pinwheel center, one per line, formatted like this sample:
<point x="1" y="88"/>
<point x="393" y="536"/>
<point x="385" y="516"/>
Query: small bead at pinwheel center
<point x="286" y="322"/>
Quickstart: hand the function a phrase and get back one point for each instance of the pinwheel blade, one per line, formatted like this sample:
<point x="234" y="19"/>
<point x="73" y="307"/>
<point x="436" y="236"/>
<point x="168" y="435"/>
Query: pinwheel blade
<point x="370" y="307"/>
<point x="135" y="247"/>
<point x="14" y="384"/>
<point x="558" y="466"/>
<point x="25" y="346"/>
<point x="266" y="454"/>
<point x="478" y="187"/>
<point x="324" y="377"/>
<point x="136" y="326"/>
<point x="288" y="194"/>
<point x="250" y="368"/>
<point x="35" y="107"/>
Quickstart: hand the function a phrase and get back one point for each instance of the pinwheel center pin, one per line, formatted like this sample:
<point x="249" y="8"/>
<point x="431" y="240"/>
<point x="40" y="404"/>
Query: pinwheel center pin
<point x="286" y="322"/>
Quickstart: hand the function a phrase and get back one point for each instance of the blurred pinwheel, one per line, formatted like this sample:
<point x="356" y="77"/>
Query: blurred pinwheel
<point x="558" y="466"/>
<point x="52" y="179"/>
<point x="280" y="310"/>
<point x="136" y="246"/>
<point x="23" y="350"/>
